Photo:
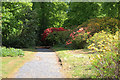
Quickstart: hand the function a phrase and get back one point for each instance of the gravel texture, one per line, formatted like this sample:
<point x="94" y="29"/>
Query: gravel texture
<point x="44" y="65"/>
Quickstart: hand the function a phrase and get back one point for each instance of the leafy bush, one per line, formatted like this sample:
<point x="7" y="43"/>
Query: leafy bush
<point x="103" y="41"/>
<point x="106" y="64"/>
<point x="107" y="61"/>
<point x="97" y="24"/>
<point x="77" y="38"/>
<point x="80" y="41"/>
<point x="50" y="35"/>
<point x="50" y="30"/>
<point x="58" y="37"/>
<point x="93" y="26"/>
<point x="11" y="52"/>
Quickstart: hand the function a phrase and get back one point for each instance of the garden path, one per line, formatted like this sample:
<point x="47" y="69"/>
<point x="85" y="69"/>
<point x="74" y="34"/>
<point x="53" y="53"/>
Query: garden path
<point x="44" y="65"/>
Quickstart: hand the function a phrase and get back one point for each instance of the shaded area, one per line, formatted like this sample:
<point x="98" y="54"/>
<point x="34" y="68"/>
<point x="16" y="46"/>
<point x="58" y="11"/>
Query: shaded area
<point x="38" y="49"/>
<point x="45" y="50"/>
<point x="68" y="48"/>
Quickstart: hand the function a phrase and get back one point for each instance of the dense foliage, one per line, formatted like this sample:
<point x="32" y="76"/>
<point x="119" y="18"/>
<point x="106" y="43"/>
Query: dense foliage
<point x="24" y="22"/>
<point x="91" y="27"/>
<point x="49" y="14"/>
<point x="104" y="42"/>
<point x="106" y="62"/>
<point x="79" y="12"/>
<point x="58" y="38"/>
<point x="77" y="38"/>
<point x="11" y="52"/>
<point x="110" y="9"/>
<point x="50" y="30"/>
<point x="53" y="35"/>
<point x="80" y="41"/>
<point x="18" y="24"/>
<point x="97" y="24"/>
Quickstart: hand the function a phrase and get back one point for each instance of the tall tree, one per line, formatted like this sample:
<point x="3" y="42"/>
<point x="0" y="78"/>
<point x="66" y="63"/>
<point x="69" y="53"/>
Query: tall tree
<point x="110" y="9"/>
<point x="50" y="14"/>
<point x="79" y="12"/>
<point x="18" y="24"/>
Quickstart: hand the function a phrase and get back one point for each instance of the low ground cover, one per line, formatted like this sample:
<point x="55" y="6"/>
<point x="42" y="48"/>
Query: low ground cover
<point x="76" y="63"/>
<point x="12" y="52"/>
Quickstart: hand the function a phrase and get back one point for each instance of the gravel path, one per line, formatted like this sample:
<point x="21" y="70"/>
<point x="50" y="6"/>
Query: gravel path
<point x="44" y="65"/>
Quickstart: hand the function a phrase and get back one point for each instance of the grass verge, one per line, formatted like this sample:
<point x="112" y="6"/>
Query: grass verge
<point x="10" y="65"/>
<point x="75" y="63"/>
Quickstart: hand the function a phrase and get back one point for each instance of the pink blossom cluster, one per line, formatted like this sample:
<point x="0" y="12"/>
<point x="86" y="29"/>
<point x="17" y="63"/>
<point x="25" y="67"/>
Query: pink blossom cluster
<point x="50" y="30"/>
<point x="74" y="34"/>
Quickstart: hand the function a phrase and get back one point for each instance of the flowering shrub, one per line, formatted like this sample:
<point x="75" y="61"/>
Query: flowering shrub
<point x="80" y="41"/>
<point x="78" y="37"/>
<point x="50" y="30"/>
<point x="95" y="25"/>
<point x="102" y="42"/>
<point x="59" y="37"/>
<point x="107" y="62"/>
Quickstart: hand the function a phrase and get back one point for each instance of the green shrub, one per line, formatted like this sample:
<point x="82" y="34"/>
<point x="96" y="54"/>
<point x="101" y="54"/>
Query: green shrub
<point x="11" y="52"/>
<point x="59" y="37"/>
<point x="106" y="62"/>
<point x="80" y="41"/>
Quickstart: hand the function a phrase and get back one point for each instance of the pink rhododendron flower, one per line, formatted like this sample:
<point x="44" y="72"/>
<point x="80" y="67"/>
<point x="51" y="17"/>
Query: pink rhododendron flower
<point x="88" y="32"/>
<point x="68" y="42"/>
<point x="50" y="30"/>
<point x="81" y="29"/>
<point x="73" y="38"/>
<point x="74" y="32"/>
<point x="76" y="35"/>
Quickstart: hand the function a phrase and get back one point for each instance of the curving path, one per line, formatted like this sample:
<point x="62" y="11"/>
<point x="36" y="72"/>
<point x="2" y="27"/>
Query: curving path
<point x="44" y="65"/>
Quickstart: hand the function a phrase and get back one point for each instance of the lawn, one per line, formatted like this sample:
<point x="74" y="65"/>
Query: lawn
<point x="11" y="64"/>
<point x="76" y="63"/>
